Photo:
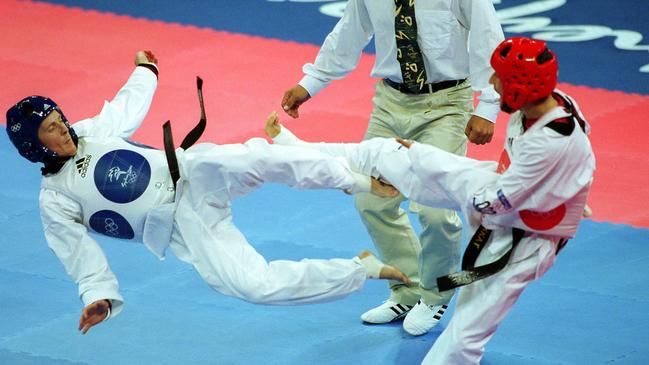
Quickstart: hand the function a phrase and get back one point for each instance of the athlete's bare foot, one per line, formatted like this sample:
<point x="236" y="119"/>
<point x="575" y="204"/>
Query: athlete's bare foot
<point x="376" y="269"/>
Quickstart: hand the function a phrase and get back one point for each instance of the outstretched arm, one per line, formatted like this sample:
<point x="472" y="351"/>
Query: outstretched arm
<point x="123" y="115"/>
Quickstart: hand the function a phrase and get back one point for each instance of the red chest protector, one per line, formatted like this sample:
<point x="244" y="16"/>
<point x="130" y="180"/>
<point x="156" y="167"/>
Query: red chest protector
<point x="537" y="220"/>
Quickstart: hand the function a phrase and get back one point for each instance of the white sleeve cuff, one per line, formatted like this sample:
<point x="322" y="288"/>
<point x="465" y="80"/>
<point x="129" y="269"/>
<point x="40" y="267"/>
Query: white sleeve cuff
<point x="116" y="300"/>
<point x="140" y="70"/>
<point x="487" y="111"/>
<point x="488" y="104"/>
<point x="362" y="183"/>
<point x="312" y="84"/>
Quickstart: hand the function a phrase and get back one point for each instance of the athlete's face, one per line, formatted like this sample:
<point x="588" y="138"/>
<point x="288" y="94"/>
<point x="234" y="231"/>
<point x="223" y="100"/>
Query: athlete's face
<point x="495" y="81"/>
<point x="54" y="135"/>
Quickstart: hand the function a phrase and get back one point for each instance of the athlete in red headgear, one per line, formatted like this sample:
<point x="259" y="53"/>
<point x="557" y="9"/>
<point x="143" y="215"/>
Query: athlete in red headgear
<point x="527" y="71"/>
<point x="521" y="210"/>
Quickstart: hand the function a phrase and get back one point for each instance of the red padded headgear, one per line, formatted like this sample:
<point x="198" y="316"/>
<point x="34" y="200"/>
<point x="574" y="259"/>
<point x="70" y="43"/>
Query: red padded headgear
<point x="527" y="70"/>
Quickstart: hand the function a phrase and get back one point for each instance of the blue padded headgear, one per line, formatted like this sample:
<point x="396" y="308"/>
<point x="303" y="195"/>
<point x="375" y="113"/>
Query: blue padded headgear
<point x="23" y="121"/>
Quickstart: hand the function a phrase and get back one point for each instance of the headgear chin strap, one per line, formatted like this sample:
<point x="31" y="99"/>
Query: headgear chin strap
<point x="527" y="69"/>
<point x="23" y="121"/>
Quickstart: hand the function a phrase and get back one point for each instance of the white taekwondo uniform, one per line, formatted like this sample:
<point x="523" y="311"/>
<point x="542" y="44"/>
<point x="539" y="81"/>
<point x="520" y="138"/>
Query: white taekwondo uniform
<point x="124" y="190"/>
<point x="540" y="185"/>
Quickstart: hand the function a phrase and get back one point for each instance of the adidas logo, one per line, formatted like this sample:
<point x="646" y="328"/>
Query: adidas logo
<point x="440" y="312"/>
<point x="82" y="165"/>
<point x="400" y="310"/>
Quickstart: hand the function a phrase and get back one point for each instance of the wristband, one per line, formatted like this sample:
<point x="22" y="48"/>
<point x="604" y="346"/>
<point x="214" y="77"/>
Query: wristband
<point x="110" y="305"/>
<point x="151" y="66"/>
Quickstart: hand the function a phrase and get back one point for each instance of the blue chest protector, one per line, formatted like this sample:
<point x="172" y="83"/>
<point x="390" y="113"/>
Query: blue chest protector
<point x="116" y="182"/>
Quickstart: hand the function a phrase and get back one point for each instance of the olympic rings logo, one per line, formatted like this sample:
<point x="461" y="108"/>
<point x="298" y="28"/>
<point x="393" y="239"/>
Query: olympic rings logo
<point x="111" y="227"/>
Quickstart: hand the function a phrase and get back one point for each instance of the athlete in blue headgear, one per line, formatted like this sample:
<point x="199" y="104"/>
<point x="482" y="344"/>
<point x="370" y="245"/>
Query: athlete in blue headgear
<point x="38" y="128"/>
<point x="94" y="178"/>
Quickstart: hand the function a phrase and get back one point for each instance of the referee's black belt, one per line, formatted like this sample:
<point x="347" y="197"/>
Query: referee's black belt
<point x="427" y="89"/>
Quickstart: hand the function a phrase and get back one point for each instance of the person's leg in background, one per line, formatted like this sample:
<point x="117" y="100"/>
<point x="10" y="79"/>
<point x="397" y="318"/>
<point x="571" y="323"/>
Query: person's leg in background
<point x="386" y="222"/>
<point x="442" y="125"/>
<point x="438" y="119"/>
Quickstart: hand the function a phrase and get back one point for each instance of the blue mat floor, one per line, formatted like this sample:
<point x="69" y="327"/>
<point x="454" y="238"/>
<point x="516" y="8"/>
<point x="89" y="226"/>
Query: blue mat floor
<point x="591" y="308"/>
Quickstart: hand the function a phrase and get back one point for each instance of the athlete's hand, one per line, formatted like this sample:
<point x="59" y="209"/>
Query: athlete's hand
<point x="383" y="189"/>
<point x="293" y="98"/>
<point x="93" y="314"/>
<point x="479" y="130"/>
<point x="145" y="57"/>
<point x="273" y="127"/>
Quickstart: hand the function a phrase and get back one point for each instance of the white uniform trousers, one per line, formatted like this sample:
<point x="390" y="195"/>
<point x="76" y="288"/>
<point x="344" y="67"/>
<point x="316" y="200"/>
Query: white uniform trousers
<point x="482" y="305"/>
<point x="205" y="236"/>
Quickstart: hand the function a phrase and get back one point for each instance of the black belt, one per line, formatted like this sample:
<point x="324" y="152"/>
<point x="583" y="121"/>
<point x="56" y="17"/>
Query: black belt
<point x="427" y="89"/>
<point x="469" y="272"/>
<point x="189" y="140"/>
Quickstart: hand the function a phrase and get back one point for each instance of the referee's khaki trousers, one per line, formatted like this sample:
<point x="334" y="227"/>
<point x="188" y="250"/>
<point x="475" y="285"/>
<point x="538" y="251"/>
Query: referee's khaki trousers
<point x="438" y="119"/>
